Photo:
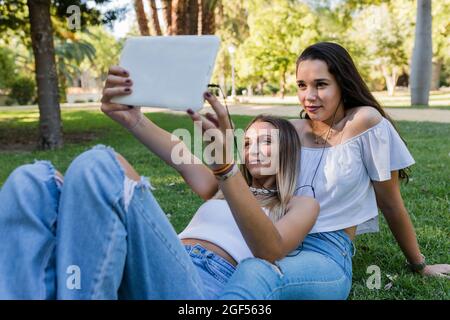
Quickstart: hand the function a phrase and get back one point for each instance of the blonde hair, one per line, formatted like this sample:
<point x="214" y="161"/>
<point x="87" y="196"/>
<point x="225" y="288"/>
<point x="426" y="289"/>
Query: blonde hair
<point x="287" y="171"/>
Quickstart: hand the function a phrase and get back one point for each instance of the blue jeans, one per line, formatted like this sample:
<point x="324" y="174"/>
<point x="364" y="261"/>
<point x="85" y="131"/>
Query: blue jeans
<point x="95" y="237"/>
<point x="320" y="268"/>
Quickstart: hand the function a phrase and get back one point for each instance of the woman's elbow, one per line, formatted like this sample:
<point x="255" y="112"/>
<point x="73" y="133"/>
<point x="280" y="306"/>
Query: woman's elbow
<point x="389" y="210"/>
<point x="271" y="257"/>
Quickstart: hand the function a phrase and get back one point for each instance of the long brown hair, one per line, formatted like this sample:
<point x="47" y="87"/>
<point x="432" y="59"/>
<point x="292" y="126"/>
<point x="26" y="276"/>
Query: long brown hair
<point x="354" y="90"/>
<point x="288" y="167"/>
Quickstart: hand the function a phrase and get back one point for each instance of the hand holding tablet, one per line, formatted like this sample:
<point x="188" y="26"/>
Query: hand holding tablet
<point x="168" y="72"/>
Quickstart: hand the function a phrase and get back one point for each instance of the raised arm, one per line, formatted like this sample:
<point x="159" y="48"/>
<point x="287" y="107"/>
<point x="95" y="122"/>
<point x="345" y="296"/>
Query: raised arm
<point x="267" y="240"/>
<point x="156" y="139"/>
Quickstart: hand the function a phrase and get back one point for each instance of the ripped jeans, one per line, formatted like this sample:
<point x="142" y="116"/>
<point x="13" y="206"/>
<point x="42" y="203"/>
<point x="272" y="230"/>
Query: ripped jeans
<point x="97" y="235"/>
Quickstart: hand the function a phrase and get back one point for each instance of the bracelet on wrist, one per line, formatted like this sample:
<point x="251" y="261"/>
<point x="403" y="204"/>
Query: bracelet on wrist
<point x="223" y="169"/>
<point x="137" y="122"/>
<point x="417" y="267"/>
<point x="230" y="172"/>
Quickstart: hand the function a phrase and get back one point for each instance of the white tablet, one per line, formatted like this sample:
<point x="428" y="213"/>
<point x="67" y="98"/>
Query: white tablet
<point x="168" y="71"/>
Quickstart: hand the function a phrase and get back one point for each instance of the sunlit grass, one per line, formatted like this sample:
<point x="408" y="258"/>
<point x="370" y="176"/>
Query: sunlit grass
<point x="426" y="195"/>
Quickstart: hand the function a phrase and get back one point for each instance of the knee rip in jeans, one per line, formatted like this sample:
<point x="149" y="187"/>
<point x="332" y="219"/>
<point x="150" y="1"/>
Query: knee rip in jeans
<point x="129" y="183"/>
<point x="57" y="176"/>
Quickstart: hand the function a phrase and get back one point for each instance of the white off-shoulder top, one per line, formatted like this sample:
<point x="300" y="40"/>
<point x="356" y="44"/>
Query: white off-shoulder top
<point x="342" y="183"/>
<point x="214" y="222"/>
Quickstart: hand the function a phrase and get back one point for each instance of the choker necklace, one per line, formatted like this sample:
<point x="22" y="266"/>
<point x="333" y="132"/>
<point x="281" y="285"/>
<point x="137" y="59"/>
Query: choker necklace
<point x="263" y="191"/>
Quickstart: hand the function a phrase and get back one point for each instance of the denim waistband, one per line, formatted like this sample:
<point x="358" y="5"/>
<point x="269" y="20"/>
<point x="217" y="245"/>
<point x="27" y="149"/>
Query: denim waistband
<point x="338" y="237"/>
<point x="336" y="245"/>
<point x="346" y="237"/>
<point x="198" y="251"/>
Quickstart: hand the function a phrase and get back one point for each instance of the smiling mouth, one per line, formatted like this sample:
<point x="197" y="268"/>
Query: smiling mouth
<point x="312" y="108"/>
<point x="257" y="162"/>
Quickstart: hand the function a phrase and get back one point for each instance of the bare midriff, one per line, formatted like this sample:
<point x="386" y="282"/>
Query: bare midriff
<point x="351" y="231"/>
<point x="211" y="247"/>
<point x="222" y="253"/>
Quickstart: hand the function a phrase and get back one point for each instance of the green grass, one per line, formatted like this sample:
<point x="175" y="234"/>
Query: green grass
<point x="426" y="196"/>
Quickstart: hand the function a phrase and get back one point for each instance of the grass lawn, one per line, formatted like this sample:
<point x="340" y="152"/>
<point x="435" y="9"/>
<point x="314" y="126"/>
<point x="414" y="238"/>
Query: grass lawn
<point x="426" y="196"/>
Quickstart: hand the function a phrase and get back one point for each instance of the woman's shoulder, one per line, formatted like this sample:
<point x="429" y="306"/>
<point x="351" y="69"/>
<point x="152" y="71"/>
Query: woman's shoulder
<point x="361" y="119"/>
<point x="300" y="125"/>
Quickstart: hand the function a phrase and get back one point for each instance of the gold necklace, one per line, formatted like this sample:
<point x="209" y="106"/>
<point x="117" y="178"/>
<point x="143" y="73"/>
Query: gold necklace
<point x="316" y="136"/>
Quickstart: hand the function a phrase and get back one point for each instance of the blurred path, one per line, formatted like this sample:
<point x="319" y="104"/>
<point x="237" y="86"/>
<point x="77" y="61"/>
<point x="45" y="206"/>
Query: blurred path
<point x="401" y="113"/>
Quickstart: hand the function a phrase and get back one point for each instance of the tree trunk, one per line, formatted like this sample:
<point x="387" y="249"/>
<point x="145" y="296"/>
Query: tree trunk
<point x="261" y="87"/>
<point x="167" y="15"/>
<point x="50" y="126"/>
<point x="283" y="83"/>
<point x="192" y="17"/>
<point x="179" y="15"/>
<point x="155" y="20"/>
<point x="208" y="25"/>
<point x="390" y="78"/>
<point x="141" y="18"/>
<point x="422" y="55"/>
<point x="62" y="89"/>
<point x="249" y="90"/>
<point x="436" y="75"/>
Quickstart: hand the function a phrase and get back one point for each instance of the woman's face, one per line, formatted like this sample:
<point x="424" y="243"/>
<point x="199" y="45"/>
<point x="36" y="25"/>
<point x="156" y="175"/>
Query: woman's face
<point x="261" y="149"/>
<point x="318" y="92"/>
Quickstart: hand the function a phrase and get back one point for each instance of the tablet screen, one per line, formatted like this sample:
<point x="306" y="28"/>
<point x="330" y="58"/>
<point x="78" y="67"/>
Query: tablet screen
<point x="169" y="71"/>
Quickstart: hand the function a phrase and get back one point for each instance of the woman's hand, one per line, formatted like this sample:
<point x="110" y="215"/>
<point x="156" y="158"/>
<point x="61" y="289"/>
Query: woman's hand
<point x="215" y="128"/>
<point x="118" y="83"/>
<point x="437" y="270"/>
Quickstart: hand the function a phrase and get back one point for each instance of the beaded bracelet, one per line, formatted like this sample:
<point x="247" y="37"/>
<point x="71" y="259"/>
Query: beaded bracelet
<point x="233" y="170"/>
<point x="223" y="169"/>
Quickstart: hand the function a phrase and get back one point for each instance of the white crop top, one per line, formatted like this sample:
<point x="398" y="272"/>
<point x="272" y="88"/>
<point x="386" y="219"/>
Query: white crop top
<point x="343" y="185"/>
<point x="214" y="222"/>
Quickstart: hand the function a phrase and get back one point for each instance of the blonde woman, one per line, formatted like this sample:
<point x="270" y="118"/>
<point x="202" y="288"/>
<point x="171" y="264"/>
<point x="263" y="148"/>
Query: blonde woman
<point x="99" y="233"/>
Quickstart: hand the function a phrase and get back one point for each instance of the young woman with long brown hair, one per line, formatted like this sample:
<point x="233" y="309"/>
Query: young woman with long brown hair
<point x="352" y="161"/>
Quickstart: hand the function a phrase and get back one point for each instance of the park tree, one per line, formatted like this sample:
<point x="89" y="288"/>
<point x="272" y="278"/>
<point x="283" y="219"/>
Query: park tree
<point x="32" y="19"/>
<point x="46" y="77"/>
<point x="279" y="30"/>
<point x="154" y="18"/>
<point x="232" y="28"/>
<point x="69" y="55"/>
<point x="422" y="55"/>
<point x="441" y="43"/>
<point x="107" y="51"/>
<point x="141" y="18"/>
<point x="6" y="67"/>
<point x="180" y="17"/>
<point x="384" y="31"/>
